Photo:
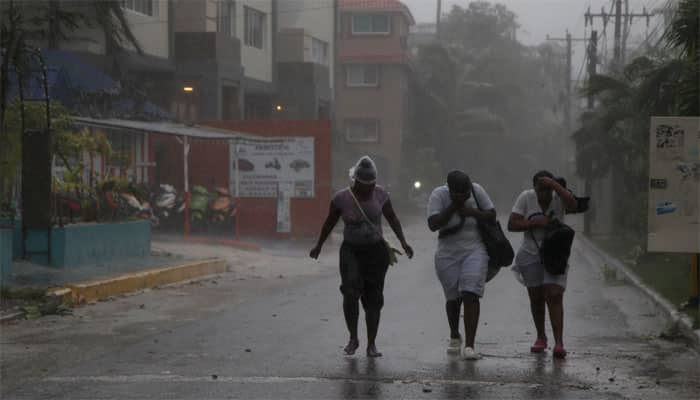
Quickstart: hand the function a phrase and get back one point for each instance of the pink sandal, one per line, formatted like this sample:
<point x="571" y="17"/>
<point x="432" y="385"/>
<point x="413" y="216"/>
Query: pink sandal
<point x="559" y="351"/>
<point x="539" y="346"/>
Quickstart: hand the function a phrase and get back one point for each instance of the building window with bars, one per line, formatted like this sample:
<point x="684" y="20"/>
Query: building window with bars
<point x="226" y="17"/>
<point x="362" y="75"/>
<point x="362" y="131"/>
<point x="254" y="28"/>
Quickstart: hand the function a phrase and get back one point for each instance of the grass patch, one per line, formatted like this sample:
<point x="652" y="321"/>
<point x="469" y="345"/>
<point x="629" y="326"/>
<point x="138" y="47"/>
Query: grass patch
<point x="33" y="302"/>
<point x="27" y="294"/>
<point x="667" y="273"/>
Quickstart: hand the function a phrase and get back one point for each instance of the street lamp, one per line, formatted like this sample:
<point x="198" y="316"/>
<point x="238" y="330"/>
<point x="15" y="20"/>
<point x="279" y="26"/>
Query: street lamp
<point x="188" y="91"/>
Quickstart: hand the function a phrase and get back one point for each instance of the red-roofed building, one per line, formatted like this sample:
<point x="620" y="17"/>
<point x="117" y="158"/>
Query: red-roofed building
<point x="373" y="81"/>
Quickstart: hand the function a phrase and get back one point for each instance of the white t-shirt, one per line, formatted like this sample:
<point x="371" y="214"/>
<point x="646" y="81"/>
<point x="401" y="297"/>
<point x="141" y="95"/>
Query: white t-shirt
<point x="468" y="238"/>
<point x="528" y="206"/>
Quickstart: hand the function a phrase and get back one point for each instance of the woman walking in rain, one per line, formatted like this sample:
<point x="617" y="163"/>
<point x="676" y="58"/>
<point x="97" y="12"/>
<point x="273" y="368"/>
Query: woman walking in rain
<point x="364" y="256"/>
<point x="532" y="212"/>
<point x="461" y="261"/>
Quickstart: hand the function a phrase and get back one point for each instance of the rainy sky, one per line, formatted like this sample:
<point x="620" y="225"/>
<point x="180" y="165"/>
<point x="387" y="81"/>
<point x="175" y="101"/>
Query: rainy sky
<point x="538" y="18"/>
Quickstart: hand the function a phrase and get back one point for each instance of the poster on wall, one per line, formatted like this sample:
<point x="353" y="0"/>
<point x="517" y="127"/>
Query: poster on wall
<point x="260" y="166"/>
<point x="674" y="185"/>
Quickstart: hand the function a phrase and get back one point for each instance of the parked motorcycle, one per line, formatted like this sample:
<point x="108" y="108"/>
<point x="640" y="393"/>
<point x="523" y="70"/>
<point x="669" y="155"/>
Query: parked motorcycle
<point x="222" y="211"/>
<point x="199" y="207"/>
<point x="168" y="205"/>
<point x="139" y="209"/>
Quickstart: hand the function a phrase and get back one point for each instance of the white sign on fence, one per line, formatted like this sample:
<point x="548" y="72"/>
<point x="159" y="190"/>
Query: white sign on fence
<point x="284" y="209"/>
<point x="674" y="185"/>
<point x="260" y="166"/>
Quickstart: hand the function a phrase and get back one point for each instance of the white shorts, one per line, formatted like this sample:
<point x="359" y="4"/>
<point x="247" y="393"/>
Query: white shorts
<point x="467" y="274"/>
<point x="534" y="275"/>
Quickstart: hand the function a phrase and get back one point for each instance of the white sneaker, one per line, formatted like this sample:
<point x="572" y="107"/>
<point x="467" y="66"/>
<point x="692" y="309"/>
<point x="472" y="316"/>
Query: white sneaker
<point x="469" y="354"/>
<point x="455" y="346"/>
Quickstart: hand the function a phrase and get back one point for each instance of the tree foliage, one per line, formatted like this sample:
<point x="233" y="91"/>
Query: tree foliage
<point x="503" y="97"/>
<point x="614" y="137"/>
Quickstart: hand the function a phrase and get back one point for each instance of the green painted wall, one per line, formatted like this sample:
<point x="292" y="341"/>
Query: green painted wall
<point x="86" y="244"/>
<point x="6" y="235"/>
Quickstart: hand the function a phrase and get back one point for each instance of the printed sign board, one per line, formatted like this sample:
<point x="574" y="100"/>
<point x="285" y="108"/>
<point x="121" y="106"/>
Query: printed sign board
<point x="260" y="166"/>
<point x="674" y="185"/>
<point x="284" y="218"/>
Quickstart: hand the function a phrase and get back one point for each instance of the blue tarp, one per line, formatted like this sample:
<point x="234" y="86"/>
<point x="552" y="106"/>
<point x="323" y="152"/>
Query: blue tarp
<point x="68" y="76"/>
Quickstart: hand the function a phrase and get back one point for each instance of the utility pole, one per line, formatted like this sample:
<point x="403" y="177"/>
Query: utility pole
<point x="620" y="40"/>
<point x="617" y="52"/>
<point x="567" y="83"/>
<point x="437" y="19"/>
<point x="592" y="65"/>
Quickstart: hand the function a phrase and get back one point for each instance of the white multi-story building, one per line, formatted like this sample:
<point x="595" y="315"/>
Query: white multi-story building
<point x="224" y="51"/>
<point x="306" y="58"/>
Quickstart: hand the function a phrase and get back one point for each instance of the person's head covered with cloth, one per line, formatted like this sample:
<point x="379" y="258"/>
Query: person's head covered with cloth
<point x="364" y="175"/>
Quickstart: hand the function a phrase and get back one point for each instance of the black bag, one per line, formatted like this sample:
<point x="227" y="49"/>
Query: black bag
<point x="498" y="247"/>
<point x="556" y="246"/>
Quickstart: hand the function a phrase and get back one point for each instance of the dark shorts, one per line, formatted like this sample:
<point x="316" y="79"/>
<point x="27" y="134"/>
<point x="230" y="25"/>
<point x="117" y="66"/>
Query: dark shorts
<point x="362" y="272"/>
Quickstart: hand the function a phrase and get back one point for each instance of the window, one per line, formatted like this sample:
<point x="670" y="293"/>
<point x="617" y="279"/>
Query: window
<point x="254" y="28"/>
<point x="362" y="131"/>
<point x="362" y="75"/>
<point x="319" y="51"/>
<point x="371" y="24"/>
<point x="226" y="17"/>
<point x="146" y="7"/>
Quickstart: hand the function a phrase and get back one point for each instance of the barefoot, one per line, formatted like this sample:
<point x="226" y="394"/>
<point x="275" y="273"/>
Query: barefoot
<point x="353" y="344"/>
<point x="372" y="351"/>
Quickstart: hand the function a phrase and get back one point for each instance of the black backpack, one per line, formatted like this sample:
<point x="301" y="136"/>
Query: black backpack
<point x="556" y="246"/>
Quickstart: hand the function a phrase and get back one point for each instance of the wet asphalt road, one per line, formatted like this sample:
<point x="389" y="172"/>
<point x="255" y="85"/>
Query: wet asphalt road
<point x="284" y="340"/>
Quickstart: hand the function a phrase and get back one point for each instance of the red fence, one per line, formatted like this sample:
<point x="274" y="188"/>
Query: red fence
<point x="209" y="166"/>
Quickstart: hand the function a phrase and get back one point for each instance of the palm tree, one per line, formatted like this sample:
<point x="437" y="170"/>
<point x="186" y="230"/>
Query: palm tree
<point x="682" y="36"/>
<point x="614" y="136"/>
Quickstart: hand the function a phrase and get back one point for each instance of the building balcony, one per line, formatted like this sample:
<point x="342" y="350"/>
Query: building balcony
<point x="207" y="47"/>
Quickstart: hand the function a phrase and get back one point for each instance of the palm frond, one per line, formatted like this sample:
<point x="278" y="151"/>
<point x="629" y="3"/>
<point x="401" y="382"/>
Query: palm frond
<point x="684" y="32"/>
<point x="599" y="84"/>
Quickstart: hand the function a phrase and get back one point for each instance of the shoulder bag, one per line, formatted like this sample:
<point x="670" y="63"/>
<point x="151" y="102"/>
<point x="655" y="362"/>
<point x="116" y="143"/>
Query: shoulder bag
<point x="556" y="246"/>
<point x="498" y="246"/>
<point x="391" y="252"/>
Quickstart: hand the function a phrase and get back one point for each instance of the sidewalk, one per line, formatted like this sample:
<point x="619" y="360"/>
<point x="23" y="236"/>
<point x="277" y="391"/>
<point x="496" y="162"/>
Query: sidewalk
<point x="25" y="274"/>
<point x="39" y="290"/>
<point x="679" y="320"/>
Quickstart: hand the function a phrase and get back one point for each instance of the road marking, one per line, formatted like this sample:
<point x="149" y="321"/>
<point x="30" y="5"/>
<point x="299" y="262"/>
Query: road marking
<point x="169" y="378"/>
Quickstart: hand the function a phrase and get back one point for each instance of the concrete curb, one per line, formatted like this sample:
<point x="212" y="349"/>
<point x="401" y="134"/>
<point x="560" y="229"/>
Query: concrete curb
<point x="90" y="291"/>
<point x="12" y="317"/>
<point x="64" y="294"/>
<point x="678" y="319"/>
